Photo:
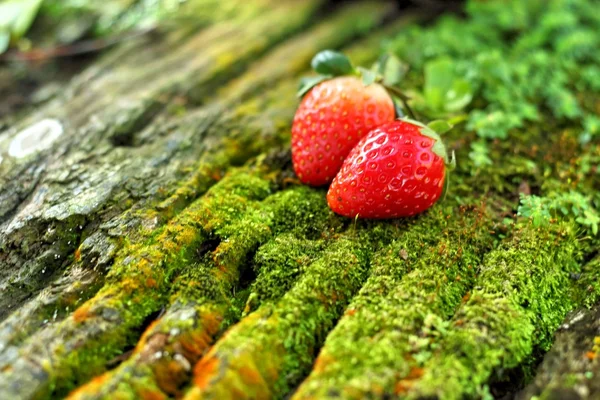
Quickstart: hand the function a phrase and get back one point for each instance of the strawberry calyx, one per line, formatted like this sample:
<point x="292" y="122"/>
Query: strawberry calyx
<point x="433" y="130"/>
<point x="387" y="71"/>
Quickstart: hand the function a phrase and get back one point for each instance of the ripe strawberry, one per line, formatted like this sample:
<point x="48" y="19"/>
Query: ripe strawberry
<point x="341" y="105"/>
<point x="329" y="122"/>
<point x="397" y="170"/>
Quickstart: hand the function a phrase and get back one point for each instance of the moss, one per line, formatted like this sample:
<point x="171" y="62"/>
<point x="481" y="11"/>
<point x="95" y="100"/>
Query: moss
<point x="232" y="222"/>
<point x="519" y="299"/>
<point x="290" y="330"/>
<point x="428" y="313"/>
<point x="279" y="263"/>
<point x="586" y="290"/>
<point x="138" y="283"/>
<point x="415" y="284"/>
<point x="161" y="361"/>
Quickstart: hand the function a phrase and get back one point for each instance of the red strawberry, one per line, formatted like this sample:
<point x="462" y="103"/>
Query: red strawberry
<point x="340" y="106"/>
<point x="397" y="170"/>
<point x="329" y="122"/>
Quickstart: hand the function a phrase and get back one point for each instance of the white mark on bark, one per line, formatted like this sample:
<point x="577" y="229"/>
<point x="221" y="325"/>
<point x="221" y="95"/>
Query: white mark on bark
<point x="182" y="361"/>
<point x="36" y="137"/>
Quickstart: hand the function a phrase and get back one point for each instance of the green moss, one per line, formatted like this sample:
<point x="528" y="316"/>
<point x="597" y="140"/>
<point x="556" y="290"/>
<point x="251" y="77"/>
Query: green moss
<point x="405" y="308"/>
<point x="139" y="282"/>
<point x="290" y="330"/>
<point x="586" y="289"/>
<point x="519" y="299"/>
<point x="232" y="220"/>
<point x="279" y="263"/>
<point x="415" y="284"/>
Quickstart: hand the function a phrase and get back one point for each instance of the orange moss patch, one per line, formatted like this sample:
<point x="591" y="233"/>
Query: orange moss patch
<point x="216" y="175"/>
<point x="194" y="344"/>
<point x="82" y="313"/>
<point x="77" y="255"/>
<point x="402" y="387"/>
<point x="128" y="286"/>
<point x="205" y="371"/>
<point x="250" y="376"/>
<point x="147" y="394"/>
<point x="322" y="362"/>
<point x="151" y="283"/>
<point x="415" y="373"/>
<point x="93" y="386"/>
<point x="212" y="322"/>
<point x="170" y="375"/>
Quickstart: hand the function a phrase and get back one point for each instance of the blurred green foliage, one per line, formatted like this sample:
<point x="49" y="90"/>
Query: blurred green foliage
<point x="523" y="61"/>
<point x="65" y="21"/>
<point x="16" y="17"/>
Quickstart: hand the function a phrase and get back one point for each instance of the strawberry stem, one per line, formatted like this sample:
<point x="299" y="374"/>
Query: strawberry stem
<point x="404" y="98"/>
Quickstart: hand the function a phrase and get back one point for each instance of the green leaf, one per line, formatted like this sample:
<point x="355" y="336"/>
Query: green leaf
<point x="329" y="62"/>
<point x="28" y="13"/>
<point x="439" y="76"/>
<point x="444" y="91"/>
<point x="9" y="13"/>
<point x="440" y="126"/>
<point x="4" y="41"/>
<point x="16" y="16"/>
<point x="591" y="124"/>
<point x="459" y="96"/>
<point x="368" y="77"/>
<point x="393" y="70"/>
<point x="308" y="83"/>
<point x="438" y="147"/>
<point x="535" y="208"/>
<point x="494" y="124"/>
<point x="398" y="107"/>
<point x="479" y="154"/>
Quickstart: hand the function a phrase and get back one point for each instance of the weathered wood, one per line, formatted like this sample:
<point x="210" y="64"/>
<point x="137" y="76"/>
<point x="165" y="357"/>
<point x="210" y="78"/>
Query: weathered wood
<point x="155" y="243"/>
<point x="125" y="164"/>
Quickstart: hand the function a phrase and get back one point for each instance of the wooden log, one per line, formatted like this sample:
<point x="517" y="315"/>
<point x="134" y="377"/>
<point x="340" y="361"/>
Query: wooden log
<point x="155" y="243"/>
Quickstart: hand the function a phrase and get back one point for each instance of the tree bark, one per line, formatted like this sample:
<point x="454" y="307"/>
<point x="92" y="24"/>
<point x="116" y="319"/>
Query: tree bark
<point x="155" y="243"/>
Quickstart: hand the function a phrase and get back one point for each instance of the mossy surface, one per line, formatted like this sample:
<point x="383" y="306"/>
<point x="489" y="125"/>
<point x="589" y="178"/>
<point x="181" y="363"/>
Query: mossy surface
<point x="193" y="264"/>
<point x="519" y="300"/>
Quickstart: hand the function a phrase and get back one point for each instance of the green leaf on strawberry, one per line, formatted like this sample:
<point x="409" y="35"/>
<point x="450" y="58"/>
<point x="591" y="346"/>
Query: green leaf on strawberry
<point x="440" y="126"/>
<point x="309" y="82"/>
<point x="332" y="63"/>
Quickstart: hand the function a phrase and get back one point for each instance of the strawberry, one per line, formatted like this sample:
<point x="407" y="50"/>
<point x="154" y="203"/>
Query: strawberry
<point x="397" y="170"/>
<point x="331" y="119"/>
<point x="339" y="108"/>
